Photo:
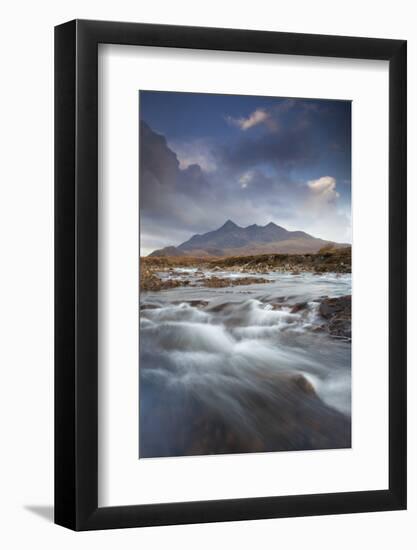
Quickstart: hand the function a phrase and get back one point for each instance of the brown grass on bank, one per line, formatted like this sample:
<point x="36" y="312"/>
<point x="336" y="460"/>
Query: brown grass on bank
<point x="334" y="260"/>
<point x="329" y="258"/>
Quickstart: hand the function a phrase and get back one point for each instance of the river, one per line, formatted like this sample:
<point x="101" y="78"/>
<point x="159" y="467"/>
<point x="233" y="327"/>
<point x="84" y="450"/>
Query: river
<point x="242" y="368"/>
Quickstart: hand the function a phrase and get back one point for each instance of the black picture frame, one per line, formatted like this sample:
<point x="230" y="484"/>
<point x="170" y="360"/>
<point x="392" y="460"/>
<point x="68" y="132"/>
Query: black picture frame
<point x="76" y="272"/>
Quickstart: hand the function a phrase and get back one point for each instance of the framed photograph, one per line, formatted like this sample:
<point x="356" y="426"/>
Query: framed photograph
<point x="230" y="252"/>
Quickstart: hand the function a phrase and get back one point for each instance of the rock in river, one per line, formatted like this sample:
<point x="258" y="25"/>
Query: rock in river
<point x="338" y="314"/>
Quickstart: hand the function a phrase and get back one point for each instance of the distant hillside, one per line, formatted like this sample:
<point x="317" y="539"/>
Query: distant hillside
<point x="233" y="240"/>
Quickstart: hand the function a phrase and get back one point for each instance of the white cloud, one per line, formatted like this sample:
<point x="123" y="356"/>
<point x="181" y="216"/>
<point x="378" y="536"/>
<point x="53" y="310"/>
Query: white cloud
<point x="245" y="179"/>
<point x="323" y="214"/>
<point x="257" y="117"/>
<point x="268" y="117"/>
<point x="323" y="190"/>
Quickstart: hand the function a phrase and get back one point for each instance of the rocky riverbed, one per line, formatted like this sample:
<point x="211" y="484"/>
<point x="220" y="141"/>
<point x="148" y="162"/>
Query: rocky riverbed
<point x="174" y="268"/>
<point x="246" y="365"/>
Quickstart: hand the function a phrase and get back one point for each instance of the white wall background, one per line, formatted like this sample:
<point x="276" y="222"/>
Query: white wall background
<point x="26" y="271"/>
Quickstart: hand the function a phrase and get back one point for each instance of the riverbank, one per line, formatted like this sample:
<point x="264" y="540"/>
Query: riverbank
<point x="162" y="273"/>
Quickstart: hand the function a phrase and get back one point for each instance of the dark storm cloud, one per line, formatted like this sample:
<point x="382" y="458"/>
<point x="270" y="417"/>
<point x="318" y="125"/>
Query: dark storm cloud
<point x="294" y="136"/>
<point x="187" y="200"/>
<point x="169" y="195"/>
<point x="283" y="151"/>
<point x="164" y="187"/>
<point x="160" y="173"/>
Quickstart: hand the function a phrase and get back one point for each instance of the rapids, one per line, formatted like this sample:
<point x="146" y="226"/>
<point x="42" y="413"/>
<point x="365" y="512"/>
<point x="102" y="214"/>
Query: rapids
<point x="239" y="369"/>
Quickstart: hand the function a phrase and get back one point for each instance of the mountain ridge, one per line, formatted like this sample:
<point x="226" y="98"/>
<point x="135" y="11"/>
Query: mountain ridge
<point x="231" y="239"/>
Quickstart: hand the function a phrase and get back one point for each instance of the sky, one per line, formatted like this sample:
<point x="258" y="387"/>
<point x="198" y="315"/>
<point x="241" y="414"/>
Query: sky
<point x="207" y="158"/>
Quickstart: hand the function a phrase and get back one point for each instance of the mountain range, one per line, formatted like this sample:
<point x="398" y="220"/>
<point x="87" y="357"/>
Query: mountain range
<point x="232" y="240"/>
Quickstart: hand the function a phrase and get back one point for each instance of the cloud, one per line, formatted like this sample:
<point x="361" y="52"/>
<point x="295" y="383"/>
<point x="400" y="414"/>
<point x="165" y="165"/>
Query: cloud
<point x="257" y="117"/>
<point x="179" y="198"/>
<point x="324" y="189"/>
<point x="273" y="117"/>
<point x="302" y="134"/>
<point x="169" y="195"/>
<point x="245" y="179"/>
<point x="197" y="151"/>
<point x="176" y="202"/>
<point x="280" y="150"/>
<point x="324" y="211"/>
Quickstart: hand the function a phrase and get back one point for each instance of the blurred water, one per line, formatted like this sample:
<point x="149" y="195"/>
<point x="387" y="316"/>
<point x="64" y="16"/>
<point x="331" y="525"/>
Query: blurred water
<point x="224" y="370"/>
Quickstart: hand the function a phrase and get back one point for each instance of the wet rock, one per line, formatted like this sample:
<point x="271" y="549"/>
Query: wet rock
<point x="341" y="328"/>
<point x="299" y="307"/>
<point x="151" y="282"/>
<point x="196" y="303"/>
<point x="303" y="384"/>
<point x="338" y="314"/>
<point x="221" y="282"/>
<point x="329" y="307"/>
<point x="149" y="306"/>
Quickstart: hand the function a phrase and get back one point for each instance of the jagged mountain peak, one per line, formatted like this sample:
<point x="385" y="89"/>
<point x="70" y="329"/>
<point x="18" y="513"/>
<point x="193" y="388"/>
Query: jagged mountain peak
<point x="233" y="240"/>
<point x="229" y="224"/>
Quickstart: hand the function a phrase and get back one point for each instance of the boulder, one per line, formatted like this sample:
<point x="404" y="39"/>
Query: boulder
<point x="329" y="307"/>
<point x="338" y="314"/>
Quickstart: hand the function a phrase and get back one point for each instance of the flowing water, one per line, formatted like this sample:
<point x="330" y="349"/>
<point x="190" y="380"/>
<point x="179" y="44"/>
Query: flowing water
<point x="240" y="369"/>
